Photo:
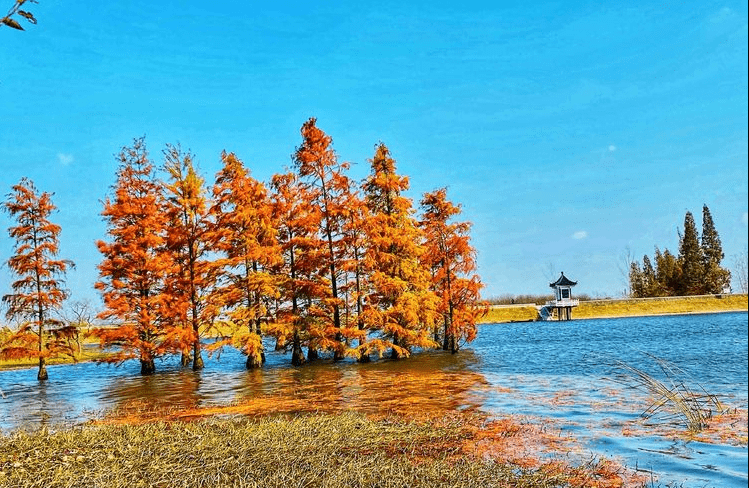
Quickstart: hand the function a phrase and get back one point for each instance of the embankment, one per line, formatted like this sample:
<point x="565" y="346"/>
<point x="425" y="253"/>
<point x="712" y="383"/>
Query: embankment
<point x="627" y="307"/>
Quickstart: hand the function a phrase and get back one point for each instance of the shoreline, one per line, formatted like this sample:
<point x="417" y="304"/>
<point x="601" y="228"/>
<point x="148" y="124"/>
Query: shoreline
<point x="627" y="307"/>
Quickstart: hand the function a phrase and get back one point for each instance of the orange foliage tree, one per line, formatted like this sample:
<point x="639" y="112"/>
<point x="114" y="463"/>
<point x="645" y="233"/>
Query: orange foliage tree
<point x="297" y="223"/>
<point x="245" y="238"/>
<point x="356" y="279"/>
<point x="329" y="192"/>
<point x="399" y="303"/>
<point x="38" y="290"/>
<point x="189" y="240"/>
<point x="135" y="265"/>
<point x="452" y="260"/>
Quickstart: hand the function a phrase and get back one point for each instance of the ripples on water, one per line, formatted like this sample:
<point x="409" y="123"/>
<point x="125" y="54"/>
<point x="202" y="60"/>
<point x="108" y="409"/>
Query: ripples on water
<point x="555" y="370"/>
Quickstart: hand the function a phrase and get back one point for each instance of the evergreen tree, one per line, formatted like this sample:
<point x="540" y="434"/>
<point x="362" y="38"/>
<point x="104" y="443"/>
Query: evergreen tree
<point x="690" y="259"/>
<point x="667" y="273"/>
<point x="636" y="282"/>
<point x="715" y="278"/>
<point x="650" y="285"/>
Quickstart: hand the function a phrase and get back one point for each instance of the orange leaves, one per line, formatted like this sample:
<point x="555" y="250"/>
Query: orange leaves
<point x="451" y="260"/>
<point x="38" y="289"/>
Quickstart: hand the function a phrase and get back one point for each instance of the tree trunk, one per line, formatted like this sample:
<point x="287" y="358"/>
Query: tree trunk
<point x="147" y="367"/>
<point x="312" y="354"/>
<point x="297" y="355"/>
<point x="254" y="361"/>
<point x="186" y="359"/>
<point x="42" y="375"/>
<point x="446" y="336"/>
<point x="393" y="353"/>
<point x="197" y="361"/>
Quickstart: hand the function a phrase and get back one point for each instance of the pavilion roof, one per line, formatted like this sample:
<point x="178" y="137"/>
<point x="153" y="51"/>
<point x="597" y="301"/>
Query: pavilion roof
<point x="563" y="281"/>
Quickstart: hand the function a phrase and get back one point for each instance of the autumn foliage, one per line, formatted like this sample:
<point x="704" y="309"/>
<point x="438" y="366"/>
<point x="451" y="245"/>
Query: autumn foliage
<point x="314" y="261"/>
<point x="37" y="291"/>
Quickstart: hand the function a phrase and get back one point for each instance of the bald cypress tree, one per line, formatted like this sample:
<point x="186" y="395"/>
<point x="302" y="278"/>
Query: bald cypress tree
<point x="690" y="259"/>
<point x="715" y="278"/>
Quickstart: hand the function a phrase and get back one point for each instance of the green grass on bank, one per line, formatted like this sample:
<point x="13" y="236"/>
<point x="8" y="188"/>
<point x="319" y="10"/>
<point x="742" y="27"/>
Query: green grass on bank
<point x="628" y="308"/>
<point x="303" y="451"/>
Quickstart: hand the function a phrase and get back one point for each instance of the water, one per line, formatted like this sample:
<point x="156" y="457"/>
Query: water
<point x="562" y="374"/>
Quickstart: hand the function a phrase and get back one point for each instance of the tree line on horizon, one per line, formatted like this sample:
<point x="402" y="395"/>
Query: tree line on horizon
<point x="313" y="260"/>
<point x="695" y="270"/>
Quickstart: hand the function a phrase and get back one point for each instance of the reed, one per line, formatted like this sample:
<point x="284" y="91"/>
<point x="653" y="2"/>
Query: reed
<point x="674" y="398"/>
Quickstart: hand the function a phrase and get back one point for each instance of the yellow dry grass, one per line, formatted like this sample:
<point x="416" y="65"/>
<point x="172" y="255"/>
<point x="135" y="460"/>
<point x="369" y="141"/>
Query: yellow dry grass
<point x="631" y="307"/>
<point x="316" y="450"/>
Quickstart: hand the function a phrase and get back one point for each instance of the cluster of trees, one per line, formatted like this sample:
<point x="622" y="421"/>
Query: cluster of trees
<point x="696" y="270"/>
<point x="313" y="259"/>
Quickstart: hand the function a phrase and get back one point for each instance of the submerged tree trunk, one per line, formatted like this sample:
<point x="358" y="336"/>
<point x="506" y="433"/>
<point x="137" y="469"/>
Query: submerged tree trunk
<point x="254" y="361"/>
<point x="42" y="375"/>
<point x="393" y="352"/>
<point x="147" y="367"/>
<point x="297" y="355"/>
<point x="312" y="354"/>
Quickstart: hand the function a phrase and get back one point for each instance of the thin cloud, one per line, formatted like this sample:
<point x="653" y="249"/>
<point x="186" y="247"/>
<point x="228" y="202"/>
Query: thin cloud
<point x="744" y="218"/>
<point x="65" y="159"/>
<point x="580" y="234"/>
<point x="612" y="148"/>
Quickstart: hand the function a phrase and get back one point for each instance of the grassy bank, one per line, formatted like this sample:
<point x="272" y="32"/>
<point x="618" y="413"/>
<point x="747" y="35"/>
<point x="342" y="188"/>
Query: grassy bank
<point x="631" y="307"/>
<point x="301" y="451"/>
<point x="86" y="354"/>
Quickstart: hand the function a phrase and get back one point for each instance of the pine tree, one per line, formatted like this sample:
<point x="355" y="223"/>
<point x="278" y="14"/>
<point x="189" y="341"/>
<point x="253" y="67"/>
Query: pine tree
<point x="135" y="264"/>
<point x="38" y="289"/>
<point x="636" y="281"/>
<point x="690" y="259"/>
<point x="667" y="273"/>
<point x="715" y="278"/>
<point x="650" y="285"/>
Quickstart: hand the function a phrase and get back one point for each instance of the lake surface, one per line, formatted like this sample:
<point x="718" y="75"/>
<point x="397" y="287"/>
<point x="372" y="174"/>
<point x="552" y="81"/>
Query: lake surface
<point x="563" y="374"/>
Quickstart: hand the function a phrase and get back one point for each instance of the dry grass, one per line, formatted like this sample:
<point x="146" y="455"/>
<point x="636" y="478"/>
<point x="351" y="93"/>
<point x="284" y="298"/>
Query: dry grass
<point x="674" y="398"/>
<point x="317" y="450"/>
<point x="626" y="308"/>
<point x="502" y="314"/>
<point x="86" y="354"/>
<point x="660" y="306"/>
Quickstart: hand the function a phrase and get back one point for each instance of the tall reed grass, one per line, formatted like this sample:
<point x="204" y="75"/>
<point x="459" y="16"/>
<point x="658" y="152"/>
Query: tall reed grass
<point x="674" y="398"/>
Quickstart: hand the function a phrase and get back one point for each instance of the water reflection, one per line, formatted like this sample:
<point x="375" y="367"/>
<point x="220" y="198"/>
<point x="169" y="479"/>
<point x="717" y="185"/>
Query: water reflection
<point x="431" y="383"/>
<point x="538" y="372"/>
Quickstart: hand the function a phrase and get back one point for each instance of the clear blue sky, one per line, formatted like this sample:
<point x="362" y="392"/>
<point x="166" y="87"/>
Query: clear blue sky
<point x="570" y="132"/>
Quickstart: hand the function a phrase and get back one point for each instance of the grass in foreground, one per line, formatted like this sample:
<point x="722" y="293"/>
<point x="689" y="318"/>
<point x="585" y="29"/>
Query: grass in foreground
<point x="319" y="450"/>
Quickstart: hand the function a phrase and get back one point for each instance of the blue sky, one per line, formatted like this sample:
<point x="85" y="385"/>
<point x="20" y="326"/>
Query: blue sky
<point x="572" y="133"/>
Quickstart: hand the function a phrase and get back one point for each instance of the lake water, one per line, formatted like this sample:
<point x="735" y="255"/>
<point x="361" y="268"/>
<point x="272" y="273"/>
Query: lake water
<point x="563" y="374"/>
